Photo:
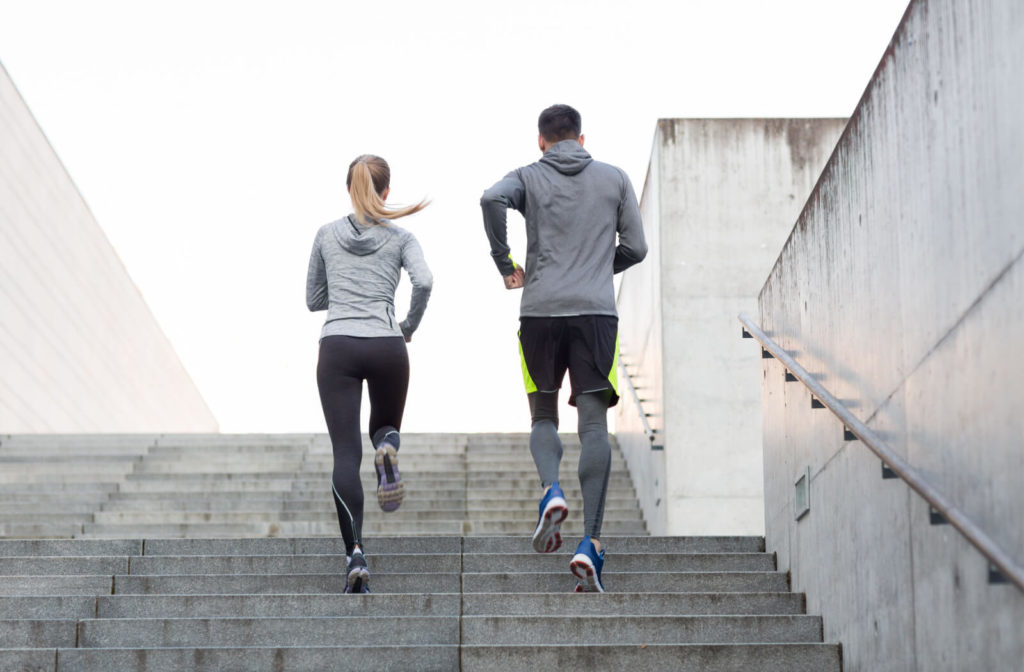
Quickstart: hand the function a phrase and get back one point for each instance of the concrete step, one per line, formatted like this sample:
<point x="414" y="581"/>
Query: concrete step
<point x="63" y="566"/>
<point x="647" y="604"/>
<point x="299" y="546"/>
<point x="577" y="629"/>
<point x="47" y="477"/>
<point x="59" y="462"/>
<point x="56" y="585"/>
<point x="425" y="658"/>
<point x="37" y="518"/>
<point x="675" y="657"/>
<point x="629" y="582"/>
<point x="179" y="486"/>
<point x="45" y="511"/>
<point x="424" y="604"/>
<point x="36" y="607"/>
<point x="631" y="544"/>
<point x="10" y="548"/>
<point x="327" y="513"/>
<point x="428" y="563"/>
<point x="29" y="633"/>
<point x="322" y="631"/>
<point x="379" y="562"/>
<point x="57" y="490"/>
<point x="628" y="562"/>
<point x="320" y="498"/>
<point x="373" y="526"/>
<point x="260" y="584"/>
<point x="215" y="468"/>
<point x="275" y="605"/>
<point x="40" y="530"/>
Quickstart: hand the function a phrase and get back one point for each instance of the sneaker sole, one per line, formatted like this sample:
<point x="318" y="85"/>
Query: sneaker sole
<point x="390" y="489"/>
<point x="358" y="580"/>
<point x="547" y="538"/>
<point x="583" y="569"/>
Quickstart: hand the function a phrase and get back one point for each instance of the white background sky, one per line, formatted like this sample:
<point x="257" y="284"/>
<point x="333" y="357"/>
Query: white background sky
<point x="211" y="140"/>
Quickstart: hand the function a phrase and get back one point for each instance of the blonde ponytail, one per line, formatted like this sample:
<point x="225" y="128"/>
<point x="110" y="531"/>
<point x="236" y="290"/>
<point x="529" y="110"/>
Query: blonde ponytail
<point x="368" y="177"/>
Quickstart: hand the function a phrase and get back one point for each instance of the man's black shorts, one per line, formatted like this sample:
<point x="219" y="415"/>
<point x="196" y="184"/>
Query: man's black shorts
<point x="585" y="345"/>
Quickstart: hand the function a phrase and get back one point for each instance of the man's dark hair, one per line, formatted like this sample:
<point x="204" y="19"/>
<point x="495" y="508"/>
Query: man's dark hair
<point x="559" y="122"/>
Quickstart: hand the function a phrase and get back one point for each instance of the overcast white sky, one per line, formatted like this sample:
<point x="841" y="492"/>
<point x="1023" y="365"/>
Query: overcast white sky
<point x="211" y="140"/>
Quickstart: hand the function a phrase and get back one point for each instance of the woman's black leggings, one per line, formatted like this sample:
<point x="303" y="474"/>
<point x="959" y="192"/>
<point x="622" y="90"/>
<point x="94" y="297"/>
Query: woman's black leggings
<point x="345" y="362"/>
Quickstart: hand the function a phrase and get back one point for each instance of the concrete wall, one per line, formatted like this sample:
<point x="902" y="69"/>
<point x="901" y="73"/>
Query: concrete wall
<point x="902" y="288"/>
<point x="79" y="349"/>
<point x="720" y="198"/>
<point x="640" y="353"/>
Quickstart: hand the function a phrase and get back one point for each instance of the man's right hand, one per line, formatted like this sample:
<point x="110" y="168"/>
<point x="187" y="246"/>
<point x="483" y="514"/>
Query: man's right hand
<point x="516" y="280"/>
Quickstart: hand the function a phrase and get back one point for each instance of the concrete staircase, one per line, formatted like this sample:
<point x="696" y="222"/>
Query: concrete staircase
<point x="203" y="552"/>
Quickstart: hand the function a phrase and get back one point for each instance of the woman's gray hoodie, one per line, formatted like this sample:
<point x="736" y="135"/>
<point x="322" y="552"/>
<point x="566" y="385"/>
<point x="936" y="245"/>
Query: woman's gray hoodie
<point x="354" y="270"/>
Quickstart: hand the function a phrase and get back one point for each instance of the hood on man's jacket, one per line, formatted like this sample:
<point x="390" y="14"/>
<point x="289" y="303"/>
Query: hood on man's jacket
<point x="567" y="157"/>
<point x="360" y="239"/>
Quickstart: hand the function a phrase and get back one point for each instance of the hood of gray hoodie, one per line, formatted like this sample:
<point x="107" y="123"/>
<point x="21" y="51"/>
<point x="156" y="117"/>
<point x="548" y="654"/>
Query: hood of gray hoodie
<point x="567" y="157"/>
<point x="360" y="239"/>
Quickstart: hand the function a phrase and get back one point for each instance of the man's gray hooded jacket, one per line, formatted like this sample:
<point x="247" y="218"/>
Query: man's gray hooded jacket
<point x="574" y="207"/>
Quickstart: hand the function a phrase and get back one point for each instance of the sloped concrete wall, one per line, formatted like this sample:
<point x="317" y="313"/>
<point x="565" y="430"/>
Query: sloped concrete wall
<point x="719" y="201"/>
<point x="79" y="349"/>
<point x="902" y="288"/>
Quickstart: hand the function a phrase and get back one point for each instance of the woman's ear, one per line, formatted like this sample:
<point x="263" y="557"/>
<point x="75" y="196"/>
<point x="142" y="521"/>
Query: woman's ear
<point x="384" y="195"/>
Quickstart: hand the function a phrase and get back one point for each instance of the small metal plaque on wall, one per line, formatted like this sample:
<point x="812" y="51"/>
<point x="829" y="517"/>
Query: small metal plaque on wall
<point x="802" y="495"/>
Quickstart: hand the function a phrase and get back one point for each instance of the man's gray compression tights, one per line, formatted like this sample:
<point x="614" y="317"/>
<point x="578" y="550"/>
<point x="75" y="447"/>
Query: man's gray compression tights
<point x="595" y="454"/>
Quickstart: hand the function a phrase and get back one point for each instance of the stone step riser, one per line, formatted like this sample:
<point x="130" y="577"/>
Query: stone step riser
<point x="620" y="486"/>
<point x="335" y="563"/>
<point x="398" y="630"/>
<point x="588" y="630"/>
<point x="330" y="527"/>
<point x="267" y="584"/>
<point x="546" y="582"/>
<point x="436" y="658"/>
<point x="379" y="604"/>
<point x="680" y="658"/>
<point x="522" y="515"/>
<point x="381" y="544"/>
<point x="319" y="504"/>
<point x="675" y="657"/>
<point x="409" y="630"/>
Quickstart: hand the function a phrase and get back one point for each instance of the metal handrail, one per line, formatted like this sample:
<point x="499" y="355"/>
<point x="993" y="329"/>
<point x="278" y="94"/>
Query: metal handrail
<point x="957" y="518"/>
<point x="650" y="433"/>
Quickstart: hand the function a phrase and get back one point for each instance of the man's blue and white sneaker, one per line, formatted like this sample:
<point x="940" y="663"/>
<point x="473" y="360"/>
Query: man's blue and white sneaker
<point x="547" y="538"/>
<point x="358" y="574"/>
<point x="586" y="566"/>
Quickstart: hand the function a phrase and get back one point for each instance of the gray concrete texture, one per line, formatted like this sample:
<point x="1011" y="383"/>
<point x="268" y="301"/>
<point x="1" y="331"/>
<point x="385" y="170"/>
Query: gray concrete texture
<point x="900" y="288"/>
<point x="443" y="602"/>
<point x="457" y="602"/>
<point x="721" y="196"/>
<point x="80" y="349"/>
<point x="212" y="485"/>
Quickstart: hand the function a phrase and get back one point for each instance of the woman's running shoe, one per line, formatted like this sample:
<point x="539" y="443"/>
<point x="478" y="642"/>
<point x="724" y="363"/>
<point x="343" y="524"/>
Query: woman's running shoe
<point x="586" y="566"/>
<point x="358" y="574"/>
<point x="547" y="538"/>
<point x="390" y="489"/>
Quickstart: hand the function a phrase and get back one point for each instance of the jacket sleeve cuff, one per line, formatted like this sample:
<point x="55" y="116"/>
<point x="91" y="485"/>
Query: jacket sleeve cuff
<point x="505" y="265"/>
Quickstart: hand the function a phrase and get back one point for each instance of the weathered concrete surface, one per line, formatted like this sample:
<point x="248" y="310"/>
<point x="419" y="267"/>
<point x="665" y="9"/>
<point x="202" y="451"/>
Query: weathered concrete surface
<point x="720" y="198"/>
<point x="80" y="350"/>
<point x="902" y="288"/>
